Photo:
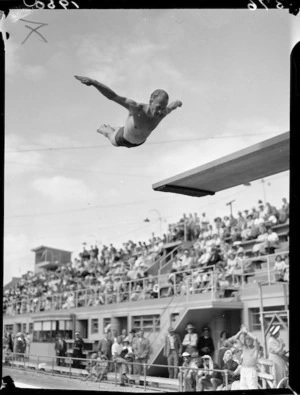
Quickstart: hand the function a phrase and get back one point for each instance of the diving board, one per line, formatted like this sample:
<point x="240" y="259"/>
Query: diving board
<point x="260" y="160"/>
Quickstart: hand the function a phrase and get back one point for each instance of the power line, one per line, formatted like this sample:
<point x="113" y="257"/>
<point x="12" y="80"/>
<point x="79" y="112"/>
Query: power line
<point x="84" y="209"/>
<point x="79" y="170"/>
<point x="130" y="203"/>
<point x="148" y="143"/>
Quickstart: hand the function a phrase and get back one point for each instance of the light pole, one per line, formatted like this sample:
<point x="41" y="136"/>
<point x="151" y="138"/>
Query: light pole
<point x="160" y="218"/>
<point x="230" y="204"/>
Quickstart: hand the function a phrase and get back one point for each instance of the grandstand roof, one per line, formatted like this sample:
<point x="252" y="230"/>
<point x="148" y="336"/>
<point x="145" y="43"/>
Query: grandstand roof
<point x="260" y="160"/>
<point x="49" y="248"/>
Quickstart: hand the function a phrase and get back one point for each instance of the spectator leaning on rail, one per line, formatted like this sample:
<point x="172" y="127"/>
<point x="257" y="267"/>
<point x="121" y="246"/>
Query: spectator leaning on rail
<point x="190" y="340"/>
<point x="172" y="351"/>
<point x="250" y="348"/>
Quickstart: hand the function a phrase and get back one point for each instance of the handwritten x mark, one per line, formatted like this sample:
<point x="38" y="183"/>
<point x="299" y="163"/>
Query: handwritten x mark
<point x="35" y="29"/>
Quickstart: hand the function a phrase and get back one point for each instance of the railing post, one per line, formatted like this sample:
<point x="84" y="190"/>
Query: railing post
<point x="269" y="274"/>
<point x="213" y="283"/>
<point x="243" y="277"/>
<point x="226" y="379"/>
<point x="116" y="376"/>
<point x="52" y="367"/>
<point x="145" y="375"/>
<point x="180" y="379"/>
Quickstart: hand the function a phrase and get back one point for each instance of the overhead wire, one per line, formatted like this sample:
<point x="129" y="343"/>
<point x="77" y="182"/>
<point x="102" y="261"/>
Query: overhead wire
<point x="148" y="143"/>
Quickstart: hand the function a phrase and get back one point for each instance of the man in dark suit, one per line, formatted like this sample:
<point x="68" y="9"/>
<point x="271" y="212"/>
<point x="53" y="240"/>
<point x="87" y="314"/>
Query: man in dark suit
<point x="60" y="349"/>
<point x="172" y="351"/>
<point x="206" y="345"/>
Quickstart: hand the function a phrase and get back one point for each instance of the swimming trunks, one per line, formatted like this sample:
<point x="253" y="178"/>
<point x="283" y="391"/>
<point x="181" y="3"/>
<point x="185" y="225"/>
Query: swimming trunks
<point x="122" y="142"/>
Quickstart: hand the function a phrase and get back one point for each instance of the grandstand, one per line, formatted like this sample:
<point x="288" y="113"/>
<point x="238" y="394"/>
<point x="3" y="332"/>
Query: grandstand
<point x="168" y="281"/>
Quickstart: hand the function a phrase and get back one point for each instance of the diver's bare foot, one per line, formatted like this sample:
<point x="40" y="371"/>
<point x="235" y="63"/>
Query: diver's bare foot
<point x="106" y="130"/>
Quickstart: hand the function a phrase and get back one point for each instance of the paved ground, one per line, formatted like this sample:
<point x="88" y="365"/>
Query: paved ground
<point x="48" y="381"/>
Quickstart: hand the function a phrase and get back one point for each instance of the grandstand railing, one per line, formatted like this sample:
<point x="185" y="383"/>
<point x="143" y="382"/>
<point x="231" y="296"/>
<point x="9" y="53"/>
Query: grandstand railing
<point x="195" y="281"/>
<point x="80" y="367"/>
<point x="111" y="371"/>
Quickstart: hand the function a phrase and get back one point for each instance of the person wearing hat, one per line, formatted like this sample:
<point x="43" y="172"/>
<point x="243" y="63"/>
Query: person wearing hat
<point x="276" y="352"/>
<point x="190" y="340"/>
<point x="189" y="371"/>
<point x="206" y="344"/>
<point x="208" y="378"/>
<point x="78" y="348"/>
<point x="172" y="351"/>
<point x="250" y="347"/>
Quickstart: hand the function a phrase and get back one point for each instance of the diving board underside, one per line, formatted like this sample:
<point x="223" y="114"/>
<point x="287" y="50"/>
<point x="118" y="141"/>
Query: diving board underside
<point x="260" y="160"/>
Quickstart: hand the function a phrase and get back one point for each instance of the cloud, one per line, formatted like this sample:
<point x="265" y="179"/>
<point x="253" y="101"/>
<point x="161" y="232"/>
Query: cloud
<point x="34" y="73"/>
<point x="63" y="189"/>
<point x="17" y="256"/>
<point x="116" y="62"/>
<point x="18" y="163"/>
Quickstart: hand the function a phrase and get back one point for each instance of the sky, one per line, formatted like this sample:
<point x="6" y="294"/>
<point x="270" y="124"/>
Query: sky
<point x="65" y="184"/>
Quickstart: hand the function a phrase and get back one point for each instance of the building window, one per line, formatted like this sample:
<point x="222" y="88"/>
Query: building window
<point x="9" y="328"/>
<point x="146" y="323"/>
<point x="106" y="324"/>
<point x="254" y="317"/>
<point x="95" y="325"/>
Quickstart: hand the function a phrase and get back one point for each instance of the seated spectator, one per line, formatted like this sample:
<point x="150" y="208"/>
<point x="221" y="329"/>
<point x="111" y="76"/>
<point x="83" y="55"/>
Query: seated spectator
<point x="272" y="241"/>
<point x="233" y="371"/>
<point x="215" y="258"/>
<point x="260" y="245"/>
<point x="208" y="378"/>
<point x="189" y="371"/>
<point x="231" y="266"/>
<point x="280" y="268"/>
<point x="204" y="258"/>
<point x="186" y="260"/>
<point x="222" y="347"/>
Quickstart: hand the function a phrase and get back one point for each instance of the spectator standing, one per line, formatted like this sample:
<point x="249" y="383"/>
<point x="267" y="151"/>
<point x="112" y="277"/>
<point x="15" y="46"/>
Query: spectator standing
<point x="206" y="345"/>
<point x="78" y="348"/>
<point x="190" y="340"/>
<point x="105" y="345"/>
<point x="172" y="351"/>
<point x="222" y="347"/>
<point x="250" y="349"/>
<point x="141" y="349"/>
<point x="277" y="354"/>
<point x="28" y="339"/>
<point x="20" y="345"/>
<point x="9" y="342"/>
<point x="60" y="350"/>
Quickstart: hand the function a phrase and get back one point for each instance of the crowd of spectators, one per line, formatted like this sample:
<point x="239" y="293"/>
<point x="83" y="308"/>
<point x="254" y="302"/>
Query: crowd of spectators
<point x="114" y="275"/>
<point x="233" y="365"/>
